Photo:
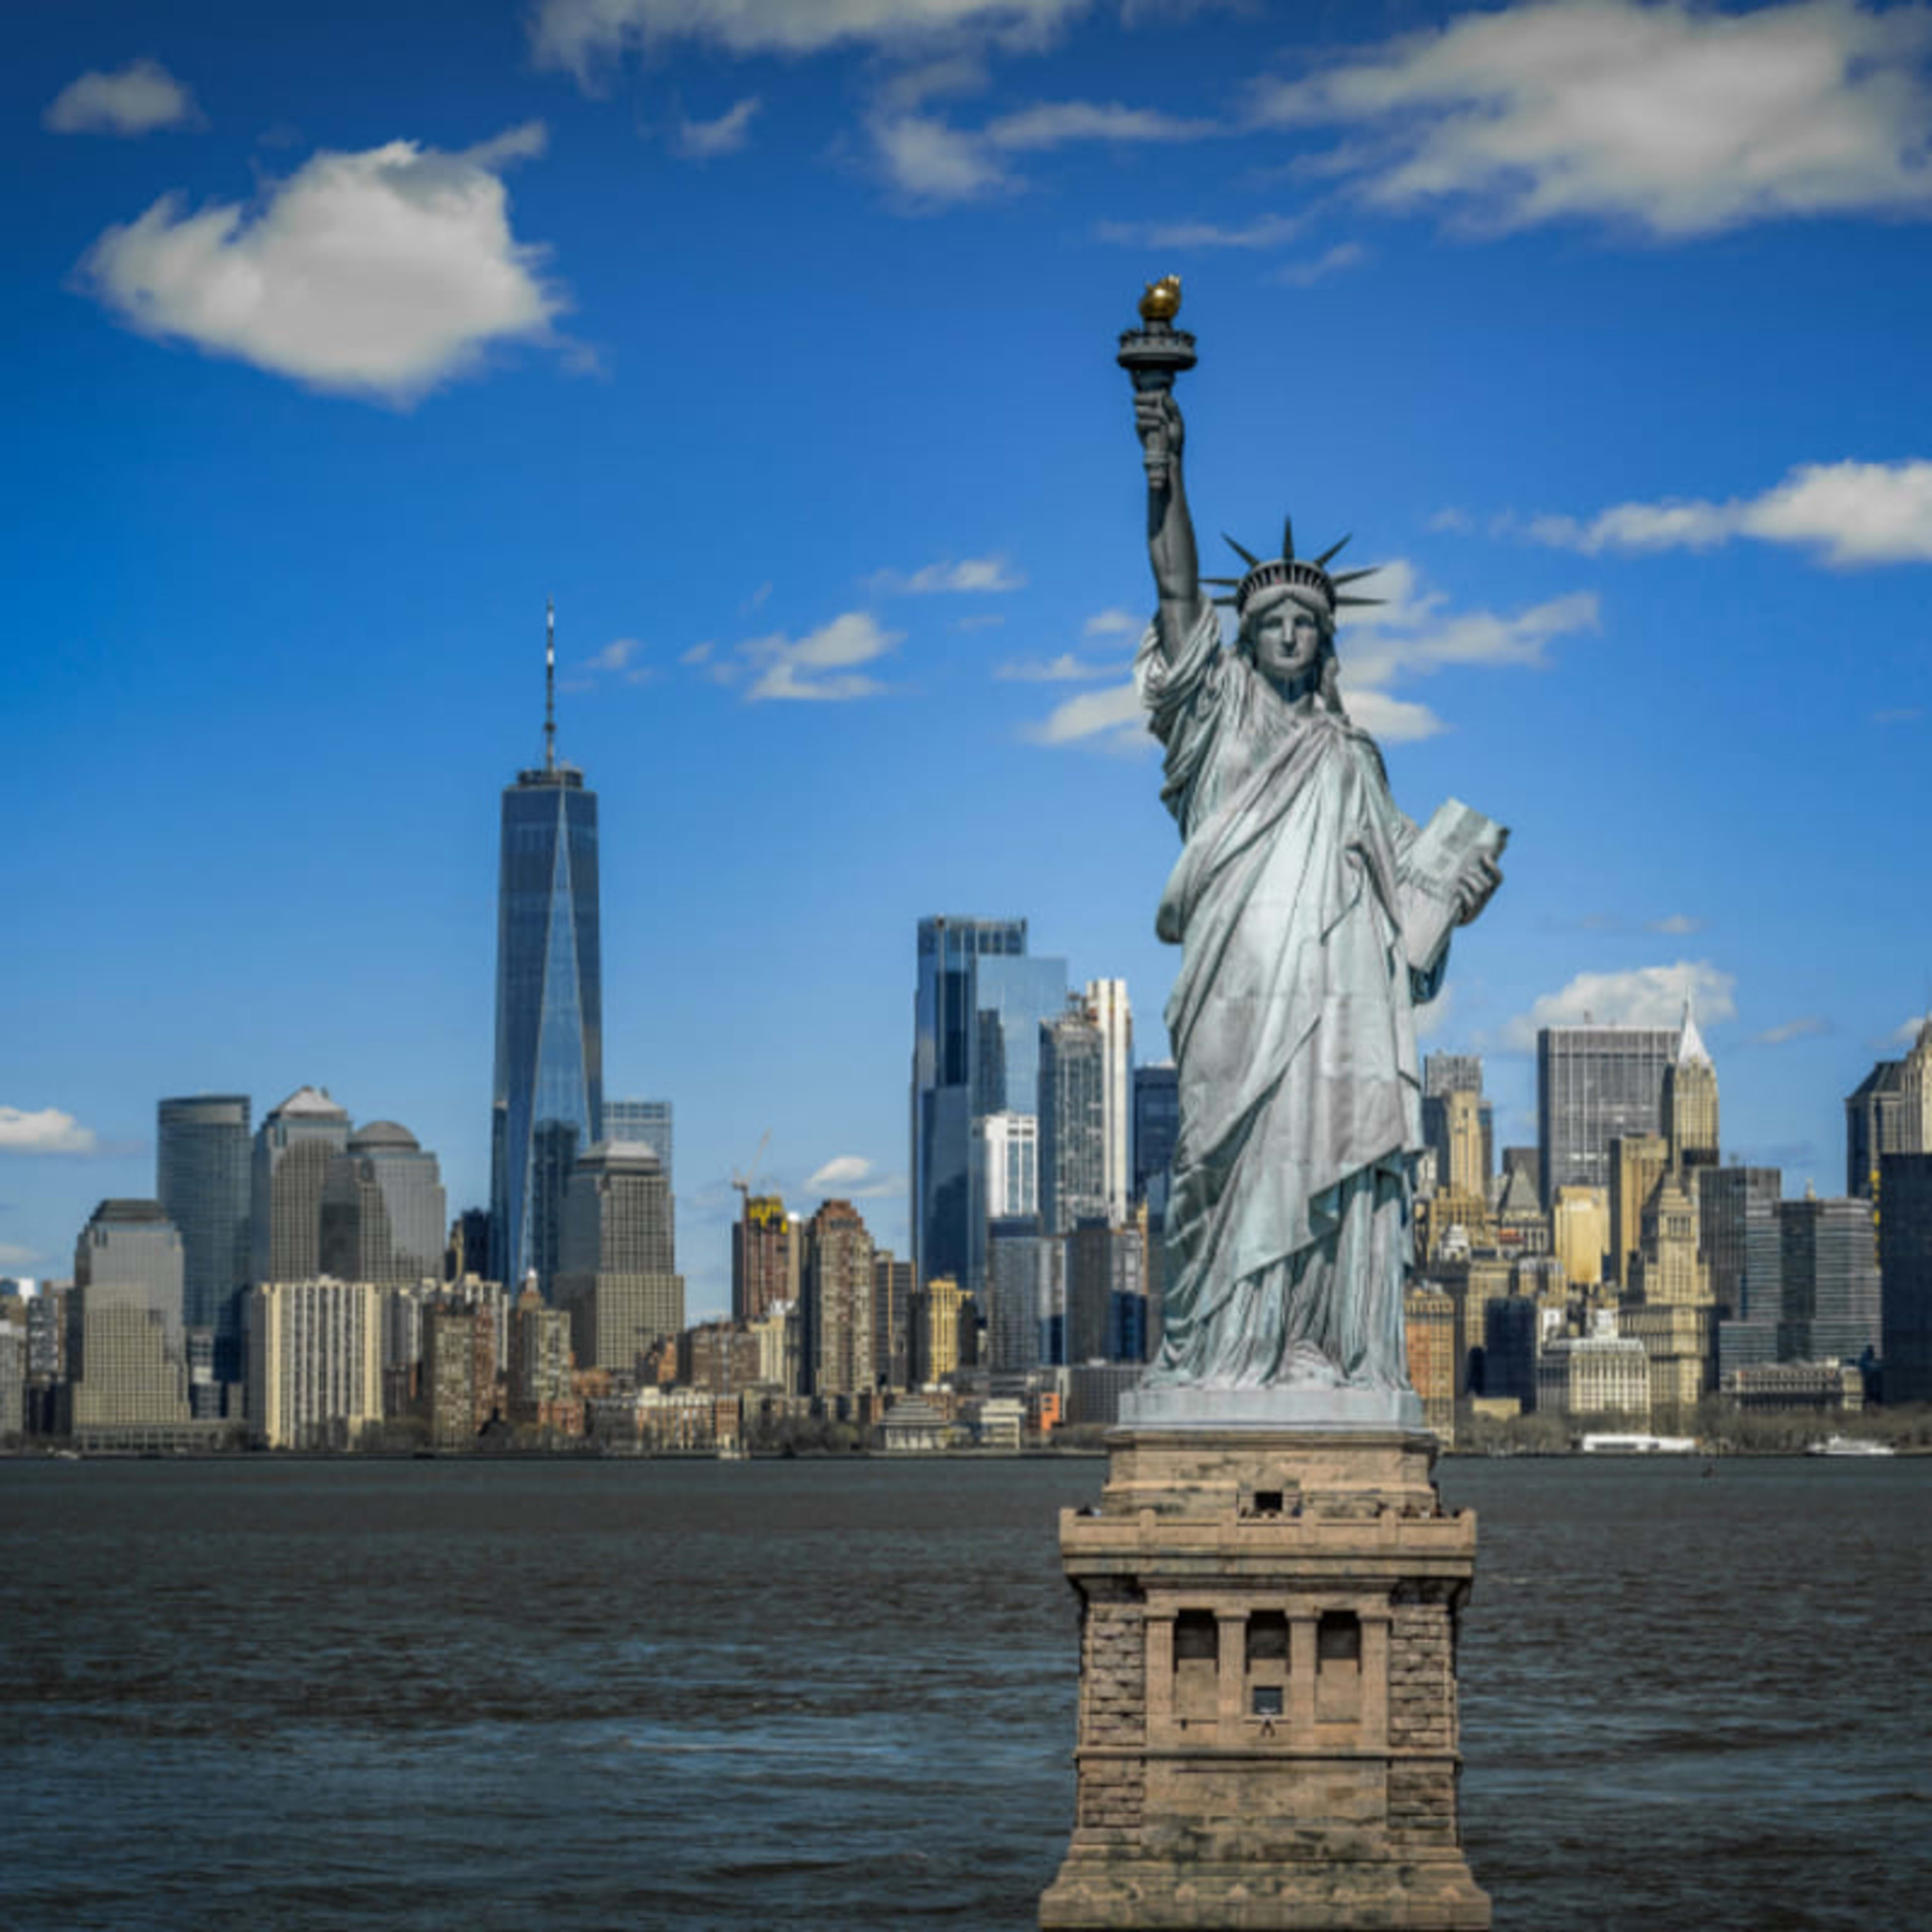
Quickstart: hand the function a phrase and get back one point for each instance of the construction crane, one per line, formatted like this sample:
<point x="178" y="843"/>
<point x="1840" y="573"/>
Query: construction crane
<point x="743" y="1181"/>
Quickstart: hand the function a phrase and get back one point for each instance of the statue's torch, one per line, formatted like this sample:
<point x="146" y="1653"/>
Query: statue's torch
<point x="1154" y="354"/>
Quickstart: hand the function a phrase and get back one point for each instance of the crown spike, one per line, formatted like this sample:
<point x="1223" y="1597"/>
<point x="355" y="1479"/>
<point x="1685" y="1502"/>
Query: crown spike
<point x="1341" y="601"/>
<point x="1241" y="551"/>
<point x="1288" y="540"/>
<point x="1332" y="549"/>
<point x="1352" y="576"/>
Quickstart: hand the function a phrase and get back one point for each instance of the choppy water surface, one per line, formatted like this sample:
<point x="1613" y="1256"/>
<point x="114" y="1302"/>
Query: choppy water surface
<point x="817" y="1694"/>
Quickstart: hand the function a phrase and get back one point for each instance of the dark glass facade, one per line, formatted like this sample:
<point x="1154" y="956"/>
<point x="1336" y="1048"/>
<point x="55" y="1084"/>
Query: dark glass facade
<point x="548" y="1100"/>
<point x="203" y="1172"/>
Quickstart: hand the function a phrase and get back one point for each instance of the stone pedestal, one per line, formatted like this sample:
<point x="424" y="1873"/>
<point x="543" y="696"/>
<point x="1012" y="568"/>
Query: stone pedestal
<point x="1268" y="1685"/>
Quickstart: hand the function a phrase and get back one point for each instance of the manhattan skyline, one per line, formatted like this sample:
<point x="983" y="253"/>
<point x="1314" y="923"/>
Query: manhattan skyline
<point x="823" y="454"/>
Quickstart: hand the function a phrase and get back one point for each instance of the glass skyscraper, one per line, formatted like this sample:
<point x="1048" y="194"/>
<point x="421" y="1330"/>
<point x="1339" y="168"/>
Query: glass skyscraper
<point x="203" y="1172"/>
<point x="548" y="1101"/>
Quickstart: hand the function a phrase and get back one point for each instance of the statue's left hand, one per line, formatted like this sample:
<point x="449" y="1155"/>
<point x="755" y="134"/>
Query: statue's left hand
<point x="1475" y="889"/>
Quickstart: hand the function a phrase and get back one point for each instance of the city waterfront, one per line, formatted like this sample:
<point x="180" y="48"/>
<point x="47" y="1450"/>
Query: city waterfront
<point x="809" y="1693"/>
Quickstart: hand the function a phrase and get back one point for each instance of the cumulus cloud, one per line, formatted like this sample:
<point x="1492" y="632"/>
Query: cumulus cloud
<point x="1651" y="996"/>
<point x="1065" y="669"/>
<point x="135" y="99"/>
<point x="1113" y="623"/>
<point x="380" y="273"/>
<point x="1806" y="1027"/>
<point x="48" y="1130"/>
<point x="1905" y="1035"/>
<point x="853" y="1177"/>
<point x="705" y="140"/>
<point x="823" y="665"/>
<point x="1849" y="513"/>
<point x="1110" y="719"/>
<point x="971" y="574"/>
<point x="1669" y="114"/>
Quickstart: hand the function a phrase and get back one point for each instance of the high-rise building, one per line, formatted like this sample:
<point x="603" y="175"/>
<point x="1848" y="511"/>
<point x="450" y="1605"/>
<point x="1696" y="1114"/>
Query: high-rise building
<point x="124" y="1351"/>
<point x="1637" y="1165"/>
<point x="1690" y="1100"/>
<point x="293" y="1147"/>
<point x="1108" y="1009"/>
<point x="203" y="1171"/>
<point x="838" y="1300"/>
<point x="382" y="1209"/>
<point x="539" y="1380"/>
<point x="1022" y="1266"/>
<point x="977" y="1009"/>
<point x="1157" y="1128"/>
<point x="459" y="1371"/>
<point x="315" y="1362"/>
<point x="1889" y="1111"/>
<point x="1905" y="1270"/>
<point x="1106" y="1294"/>
<point x="764" y="1257"/>
<point x="945" y="1330"/>
<point x="1005" y="1148"/>
<point x="1594" y="1084"/>
<point x="1828" y="1262"/>
<point x="1724" y="1195"/>
<point x="548" y="1102"/>
<point x="618" y="1273"/>
<point x="647" y="1123"/>
<point x="894" y="1286"/>
<point x="1072" y="1122"/>
<point x="1445" y="1075"/>
<point x="1579" y="1233"/>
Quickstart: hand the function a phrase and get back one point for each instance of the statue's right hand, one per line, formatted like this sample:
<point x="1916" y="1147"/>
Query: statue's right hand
<point x="1157" y="418"/>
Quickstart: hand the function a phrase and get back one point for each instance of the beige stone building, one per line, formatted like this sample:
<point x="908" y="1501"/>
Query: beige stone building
<point x="315" y="1362"/>
<point x="1580" y="1234"/>
<point x="1637" y="1164"/>
<point x="127" y="1369"/>
<point x="1691" y="1102"/>
<point x="617" y="1273"/>
<point x="1602" y="1375"/>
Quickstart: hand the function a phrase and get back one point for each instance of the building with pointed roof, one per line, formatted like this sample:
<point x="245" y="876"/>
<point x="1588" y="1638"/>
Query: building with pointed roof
<point x="293" y="1147"/>
<point x="1690" y="1100"/>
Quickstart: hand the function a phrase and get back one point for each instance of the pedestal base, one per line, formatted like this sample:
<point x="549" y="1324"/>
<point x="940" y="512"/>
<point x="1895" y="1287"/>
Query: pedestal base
<point x="1267" y="1695"/>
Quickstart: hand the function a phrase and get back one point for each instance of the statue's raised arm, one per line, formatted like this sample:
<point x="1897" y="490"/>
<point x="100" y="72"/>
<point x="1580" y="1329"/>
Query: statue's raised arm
<point x="1170" y="548"/>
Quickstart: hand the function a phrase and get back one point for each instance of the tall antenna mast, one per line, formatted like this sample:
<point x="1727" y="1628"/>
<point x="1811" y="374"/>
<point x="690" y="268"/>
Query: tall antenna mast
<point x="550" y="684"/>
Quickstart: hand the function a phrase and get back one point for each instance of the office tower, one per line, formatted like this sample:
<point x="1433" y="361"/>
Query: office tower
<point x="976" y="1013"/>
<point x="1724" y="1195"/>
<point x="1637" y="1165"/>
<point x="1905" y="1271"/>
<point x="1018" y="1259"/>
<point x="468" y="1249"/>
<point x="1429" y="1327"/>
<point x="293" y="1147"/>
<point x="203" y="1172"/>
<point x="1580" y="1225"/>
<point x="1670" y="1311"/>
<point x="1467" y="1172"/>
<point x="1156" y="1127"/>
<point x="1602" y="1377"/>
<point x="1594" y="1084"/>
<point x="838" y="1300"/>
<point x="1072" y="1122"/>
<point x="1690" y="1100"/>
<point x="893" y="1288"/>
<point x="459" y="1372"/>
<point x="764" y="1257"/>
<point x="315" y="1362"/>
<point x="618" y="1260"/>
<point x="547" y="1106"/>
<point x="1828" y="1264"/>
<point x="1444" y="1075"/>
<point x="1108" y="1009"/>
<point x="945" y="1331"/>
<point x="1889" y="1111"/>
<point x="648" y="1124"/>
<point x="1005" y="1148"/>
<point x="124" y="1355"/>
<point x="1106" y="1293"/>
<point x="13" y="1369"/>
<point x="382" y="1209"/>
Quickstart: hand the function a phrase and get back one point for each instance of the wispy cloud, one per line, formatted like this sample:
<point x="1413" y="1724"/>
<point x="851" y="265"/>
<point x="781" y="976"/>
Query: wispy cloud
<point x="1065" y="669"/>
<point x="1651" y="996"/>
<point x="706" y="140"/>
<point x="1265" y="231"/>
<point x="45" y="1130"/>
<point x="1332" y="262"/>
<point x="136" y="99"/>
<point x="823" y="666"/>
<point x="13" y="1255"/>
<point x="1675" y="925"/>
<point x="1807" y="1026"/>
<point x="1670" y="115"/>
<point x="1114" y="623"/>
<point x="381" y="273"/>
<point x="1898" y="714"/>
<point x="618" y="658"/>
<point x="1849" y="513"/>
<point x="853" y="1177"/>
<point x="971" y="575"/>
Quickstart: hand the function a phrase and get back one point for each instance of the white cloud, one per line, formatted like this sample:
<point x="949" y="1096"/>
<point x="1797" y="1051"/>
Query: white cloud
<point x="971" y="575"/>
<point x="697" y="654"/>
<point x="1114" y="623"/>
<point x="1393" y="720"/>
<point x="1112" y="717"/>
<point x="853" y="1177"/>
<point x="1670" y="114"/>
<point x="1804" y="1027"/>
<point x="1651" y="996"/>
<point x="1850" y="513"/>
<point x="580" y="34"/>
<point x="1065" y="669"/>
<point x="1675" y="925"/>
<point x="1053" y="124"/>
<point x="1331" y="262"/>
<point x="47" y="1131"/>
<point x="822" y="665"/>
<point x="1898" y="714"/>
<point x="618" y="658"/>
<point x="1905" y="1035"/>
<point x="705" y="140"/>
<point x="380" y="273"/>
<point x="13" y="1255"/>
<point x="1265" y="231"/>
<point x="135" y="99"/>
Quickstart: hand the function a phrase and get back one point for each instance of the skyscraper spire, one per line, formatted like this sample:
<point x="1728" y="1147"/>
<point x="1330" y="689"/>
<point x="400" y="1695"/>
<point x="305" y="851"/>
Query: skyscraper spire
<point x="550" y="684"/>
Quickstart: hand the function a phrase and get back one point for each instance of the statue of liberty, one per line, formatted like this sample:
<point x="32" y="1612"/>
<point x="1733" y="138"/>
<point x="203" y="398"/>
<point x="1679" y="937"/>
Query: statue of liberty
<point x="1312" y="918"/>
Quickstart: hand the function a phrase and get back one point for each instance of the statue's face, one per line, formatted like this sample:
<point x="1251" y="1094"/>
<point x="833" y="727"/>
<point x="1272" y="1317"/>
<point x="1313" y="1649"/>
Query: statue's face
<point x="1288" y="636"/>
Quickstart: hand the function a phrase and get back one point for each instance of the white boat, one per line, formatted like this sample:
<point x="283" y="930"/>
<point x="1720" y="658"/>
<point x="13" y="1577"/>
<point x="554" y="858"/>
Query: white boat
<point x="1639" y="1445"/>
<point x="1850" y="1445"/>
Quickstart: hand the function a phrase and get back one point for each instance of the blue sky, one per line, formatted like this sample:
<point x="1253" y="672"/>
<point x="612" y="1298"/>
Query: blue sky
<point x="776" y="342"/>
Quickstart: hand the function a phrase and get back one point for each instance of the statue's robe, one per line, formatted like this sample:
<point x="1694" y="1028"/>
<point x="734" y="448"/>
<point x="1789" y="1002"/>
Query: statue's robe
<point x="1289" y="1220"/>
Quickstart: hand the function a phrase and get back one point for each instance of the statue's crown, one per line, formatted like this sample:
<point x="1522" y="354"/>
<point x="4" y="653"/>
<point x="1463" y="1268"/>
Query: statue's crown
<point x="1289" y="571"/>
